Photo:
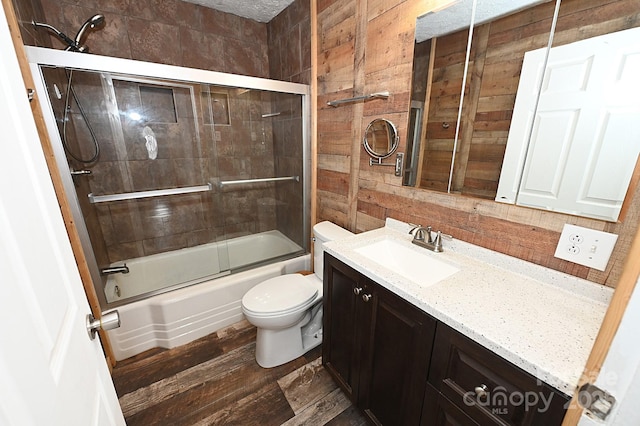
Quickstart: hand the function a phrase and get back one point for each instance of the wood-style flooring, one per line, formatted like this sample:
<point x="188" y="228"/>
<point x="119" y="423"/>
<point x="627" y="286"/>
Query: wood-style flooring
<point x="216" y="381"/>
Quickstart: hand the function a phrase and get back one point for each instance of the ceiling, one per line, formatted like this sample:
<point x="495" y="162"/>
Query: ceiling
<point x="454" y="17"/>
<point x="258" y="10"/>
<point x="457" y="16"/>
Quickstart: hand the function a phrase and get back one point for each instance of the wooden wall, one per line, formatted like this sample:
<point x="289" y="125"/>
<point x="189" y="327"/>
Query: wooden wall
<point x="366" y="46"/>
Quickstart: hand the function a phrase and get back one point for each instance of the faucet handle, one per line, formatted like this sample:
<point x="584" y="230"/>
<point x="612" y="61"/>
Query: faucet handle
<point x="414" y="227"/>
<point x="445" y="236"/>
<point x="429" y="238"/>
<point x="437" y="242"/>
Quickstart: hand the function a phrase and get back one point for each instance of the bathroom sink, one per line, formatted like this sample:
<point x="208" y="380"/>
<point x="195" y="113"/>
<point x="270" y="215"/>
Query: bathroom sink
<point x="421" y="268"/>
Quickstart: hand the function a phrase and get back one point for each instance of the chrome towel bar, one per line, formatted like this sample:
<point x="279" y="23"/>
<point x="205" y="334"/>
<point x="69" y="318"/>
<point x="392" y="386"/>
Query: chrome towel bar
<point x="94" y="199"/>
<point x="381" y="95"/>
<point x="244" y="181"/>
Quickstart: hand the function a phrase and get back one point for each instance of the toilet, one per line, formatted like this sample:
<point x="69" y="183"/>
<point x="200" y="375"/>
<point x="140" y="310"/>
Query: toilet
<point x="287" y="310"/>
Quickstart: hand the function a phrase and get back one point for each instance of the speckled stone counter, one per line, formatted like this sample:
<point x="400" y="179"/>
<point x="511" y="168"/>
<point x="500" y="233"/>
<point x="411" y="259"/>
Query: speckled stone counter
<point x="541" y="320"/>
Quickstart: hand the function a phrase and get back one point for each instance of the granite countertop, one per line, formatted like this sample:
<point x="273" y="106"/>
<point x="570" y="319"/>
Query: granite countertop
<point x="539" y="319"/>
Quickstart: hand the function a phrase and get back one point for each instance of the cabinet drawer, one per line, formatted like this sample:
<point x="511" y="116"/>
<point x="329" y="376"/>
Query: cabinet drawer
<point x="439" y="411"/>
<point x="488" y="388"/>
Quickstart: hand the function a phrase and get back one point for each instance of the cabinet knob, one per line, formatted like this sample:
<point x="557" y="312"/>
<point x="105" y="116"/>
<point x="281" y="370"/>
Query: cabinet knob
<point x="481" y="391"/>
<point x="357" y="290"/>
<point x="366" y="297"/>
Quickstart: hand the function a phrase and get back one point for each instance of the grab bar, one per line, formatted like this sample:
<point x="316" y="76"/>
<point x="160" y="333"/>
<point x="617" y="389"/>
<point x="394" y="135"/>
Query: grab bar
<point x="381" y="95"/>
<point x="273" y="179"/>
<point x="145" y="194"/>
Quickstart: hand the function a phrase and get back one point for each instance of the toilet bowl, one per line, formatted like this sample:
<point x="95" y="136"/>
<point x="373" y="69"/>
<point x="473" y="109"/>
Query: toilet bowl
<point x="287" y="310"/>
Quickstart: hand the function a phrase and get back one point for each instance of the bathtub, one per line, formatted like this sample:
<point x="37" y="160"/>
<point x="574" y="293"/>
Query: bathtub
<point x="188" y="312"/>
<point x="155" y="273"/>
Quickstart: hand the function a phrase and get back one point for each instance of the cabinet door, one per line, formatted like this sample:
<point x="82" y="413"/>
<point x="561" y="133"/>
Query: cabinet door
<point x="395" y="361"/>
<point x="340" y="334"/>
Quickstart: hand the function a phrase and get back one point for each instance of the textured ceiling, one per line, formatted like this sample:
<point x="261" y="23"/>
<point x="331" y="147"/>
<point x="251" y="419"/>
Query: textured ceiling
<point x="446" y="21"/>
<point x="258" y="10"/>
<point x="458" y="16"/>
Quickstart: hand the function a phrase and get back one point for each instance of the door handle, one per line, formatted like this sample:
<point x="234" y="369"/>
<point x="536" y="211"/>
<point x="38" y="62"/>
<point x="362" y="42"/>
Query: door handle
<point x="108" y="321"/>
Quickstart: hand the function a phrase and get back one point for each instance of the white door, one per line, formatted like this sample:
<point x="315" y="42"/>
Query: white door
<point x="620" y="373"/>
<point x="51" y="373"/>
<point x="586" y="134"/>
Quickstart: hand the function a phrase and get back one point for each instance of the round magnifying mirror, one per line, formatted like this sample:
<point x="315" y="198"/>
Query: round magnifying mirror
<point x="380" y="138"/>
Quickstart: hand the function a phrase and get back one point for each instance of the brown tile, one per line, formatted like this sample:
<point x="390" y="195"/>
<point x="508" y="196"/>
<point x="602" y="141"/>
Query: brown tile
<point x="122" y="222"/>
<point x="222" y="388"/>
<point x="176" y="12"/>
<point x="305" y="44"/>
<point x="322" y="411"/>
<point x="186" y="215"/>
<point x="307" y="385"/>
<point x="151" y="174"/>
<point x="201" y="50"/>
<point x="163" y="244"/>
<point x="154" y="41"/>
<point x="215" y="380"/>
<point x="157" y="364"/>
<point x="349" y="417"/>
<point x="265" y="407"/>
<point x="220" y="23"/>
<point x="242" y="57"/>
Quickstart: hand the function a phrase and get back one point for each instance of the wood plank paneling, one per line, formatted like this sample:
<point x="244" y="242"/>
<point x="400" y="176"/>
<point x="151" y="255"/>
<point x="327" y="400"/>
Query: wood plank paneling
<point x="518" y="231"/>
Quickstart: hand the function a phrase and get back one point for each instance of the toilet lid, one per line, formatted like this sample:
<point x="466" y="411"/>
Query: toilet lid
<point x="278" y="294"/>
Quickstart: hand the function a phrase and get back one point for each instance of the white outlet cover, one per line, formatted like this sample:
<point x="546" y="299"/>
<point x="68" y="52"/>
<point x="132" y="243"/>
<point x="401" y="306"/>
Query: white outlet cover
<point x="585" y="246"/>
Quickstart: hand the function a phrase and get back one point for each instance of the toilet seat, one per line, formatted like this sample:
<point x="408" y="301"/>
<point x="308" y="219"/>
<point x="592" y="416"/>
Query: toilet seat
<point x="279" y="296"/>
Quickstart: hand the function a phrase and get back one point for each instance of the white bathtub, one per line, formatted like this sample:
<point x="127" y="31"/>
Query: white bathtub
<point x="188" y="266"/>
<point x="180" y="316"/>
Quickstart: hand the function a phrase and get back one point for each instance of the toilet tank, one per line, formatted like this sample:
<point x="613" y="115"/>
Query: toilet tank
<point x="324" y="232"/>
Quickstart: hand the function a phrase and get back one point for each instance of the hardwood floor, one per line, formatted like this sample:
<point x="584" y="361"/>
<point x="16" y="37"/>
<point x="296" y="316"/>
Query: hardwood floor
<point x="216" y="381"/>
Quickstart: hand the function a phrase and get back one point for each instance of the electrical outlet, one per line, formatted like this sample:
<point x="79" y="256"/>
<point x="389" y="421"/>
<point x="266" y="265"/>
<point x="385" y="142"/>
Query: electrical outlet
<point x="585" y="246"/>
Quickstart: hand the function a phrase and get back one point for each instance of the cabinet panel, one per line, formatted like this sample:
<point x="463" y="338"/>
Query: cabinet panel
<point x="439" y="411"/>
<point x="339" y="350"/>
<point x="376" y="346"/>
<point x="397" y="361"/>
<point x="488" y="388"/>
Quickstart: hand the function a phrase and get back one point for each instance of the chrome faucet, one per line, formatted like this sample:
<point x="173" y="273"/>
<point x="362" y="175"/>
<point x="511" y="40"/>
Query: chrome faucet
<point x="422" y="237"/>
<point x="124" y="269"/>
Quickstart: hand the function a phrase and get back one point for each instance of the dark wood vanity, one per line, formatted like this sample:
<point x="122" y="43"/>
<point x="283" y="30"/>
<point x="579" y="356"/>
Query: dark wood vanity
<point x="401" y="366"/>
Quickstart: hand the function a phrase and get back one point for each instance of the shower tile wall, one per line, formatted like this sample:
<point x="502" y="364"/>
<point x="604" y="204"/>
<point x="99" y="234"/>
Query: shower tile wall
<point x="181" y="33"/>
<point x="290" y="60"/>
<point x="165" y="31"/>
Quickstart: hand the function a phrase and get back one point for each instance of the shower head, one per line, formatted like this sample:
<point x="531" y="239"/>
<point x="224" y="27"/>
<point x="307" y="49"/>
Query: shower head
<point x="90" y="24"/>
<point x="74" y="45"/>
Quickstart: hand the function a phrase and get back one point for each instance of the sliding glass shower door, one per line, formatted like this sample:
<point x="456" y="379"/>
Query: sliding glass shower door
<point x="178" y="181"/>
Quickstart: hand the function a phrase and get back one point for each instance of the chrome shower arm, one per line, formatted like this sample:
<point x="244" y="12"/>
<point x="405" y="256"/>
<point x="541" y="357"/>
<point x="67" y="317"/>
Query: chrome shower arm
<point x="71" y="45"/>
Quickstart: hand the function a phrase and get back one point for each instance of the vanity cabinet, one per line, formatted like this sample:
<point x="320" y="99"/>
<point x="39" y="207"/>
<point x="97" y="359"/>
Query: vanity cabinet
<point x="376" y="345"/>
<point x="473" y="385"/>
<point x="400" y="366"/>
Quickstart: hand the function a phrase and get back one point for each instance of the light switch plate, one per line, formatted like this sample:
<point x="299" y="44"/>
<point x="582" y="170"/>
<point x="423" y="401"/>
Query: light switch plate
<point x="585" y="246"/>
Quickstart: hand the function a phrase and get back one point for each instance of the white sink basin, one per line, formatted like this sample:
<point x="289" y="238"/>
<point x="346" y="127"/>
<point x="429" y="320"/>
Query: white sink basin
<point x="421" y="268"/>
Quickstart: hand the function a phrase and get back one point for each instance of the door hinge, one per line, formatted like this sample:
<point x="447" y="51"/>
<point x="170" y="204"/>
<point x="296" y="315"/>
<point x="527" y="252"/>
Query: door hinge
<point x="30" y="94"/>
<point x="597" y="402"/>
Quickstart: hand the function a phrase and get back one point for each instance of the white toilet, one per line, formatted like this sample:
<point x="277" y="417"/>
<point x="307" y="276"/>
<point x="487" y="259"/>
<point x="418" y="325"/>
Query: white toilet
<point x="287" y="310"/>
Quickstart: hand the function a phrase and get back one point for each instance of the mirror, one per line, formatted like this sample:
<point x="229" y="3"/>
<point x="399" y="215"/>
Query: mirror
<point x="493" y="73"/>
<point x="380" y="138"/>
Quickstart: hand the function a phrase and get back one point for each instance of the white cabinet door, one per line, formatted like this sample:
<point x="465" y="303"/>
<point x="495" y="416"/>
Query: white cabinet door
<point x="585" y="138"/>
<point x="51" y="373"/>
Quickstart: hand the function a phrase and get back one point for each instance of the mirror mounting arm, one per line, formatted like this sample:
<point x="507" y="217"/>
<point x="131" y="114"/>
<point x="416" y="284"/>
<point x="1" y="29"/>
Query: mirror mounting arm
<point x="398" y="163"/>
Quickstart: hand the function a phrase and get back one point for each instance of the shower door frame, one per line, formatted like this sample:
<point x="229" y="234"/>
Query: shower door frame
<point x="39" y="56"/>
